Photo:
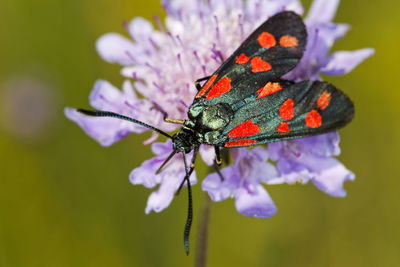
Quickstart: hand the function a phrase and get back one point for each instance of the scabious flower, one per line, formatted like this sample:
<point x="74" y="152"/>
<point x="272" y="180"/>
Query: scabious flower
<point x="195" y="39"/>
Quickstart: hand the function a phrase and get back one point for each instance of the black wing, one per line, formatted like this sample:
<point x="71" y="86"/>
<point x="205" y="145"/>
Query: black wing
<point x="286" y="110"/>
<point x="268" y="53"/>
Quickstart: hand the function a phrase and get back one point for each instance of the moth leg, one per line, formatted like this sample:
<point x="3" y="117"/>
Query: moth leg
<point x="165" y="162"/>
<point x="218" y="171"/>
<point x="197" y="83"/>
<point x="218" y="160"/>
<point x="188" y="173"/>
<point x="165" y="115"/>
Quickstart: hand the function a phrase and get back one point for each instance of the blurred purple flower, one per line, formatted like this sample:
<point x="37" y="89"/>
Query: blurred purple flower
<point x="196" y="38"/>
<point x="27" y="107"/>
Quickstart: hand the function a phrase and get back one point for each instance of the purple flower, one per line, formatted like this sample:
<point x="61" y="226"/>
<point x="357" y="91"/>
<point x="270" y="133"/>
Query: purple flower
<point x="242" y="181"/>
<point x="195" y="39"/>
<point x="169" y="179"/>
<point x="310" y="159"/>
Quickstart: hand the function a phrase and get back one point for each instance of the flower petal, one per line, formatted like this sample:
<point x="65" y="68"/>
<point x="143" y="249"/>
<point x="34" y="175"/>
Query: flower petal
<point x="161" y="198"/>
<point x="329" y="33"/>
<point x="322" y="11"/>
<point x="220" y="190"/>
<point x="292" y="172"/>
<point x="253" y="165"/>
<point x="170" y="182"/>
<point x="115" y="48"/>
<point x="106" y="131"/>
<point x="162" y="149"/>
<point x="140" y="29"/>
<point x="151" y="139"/>
<point x="343" y="62"/>
<point x="170" y="178"/>
<point x="105" y="96"/>
<point x="145" y="174"/>
<point x="255" y="204"/>
<point x="177" y="7"/>
<point x="330" y="180"/>
<point x="325" y="145"/>
<point x="207" y="153"/>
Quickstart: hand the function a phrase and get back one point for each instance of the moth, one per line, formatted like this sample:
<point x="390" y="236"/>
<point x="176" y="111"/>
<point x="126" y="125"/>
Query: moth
<point x="245" y="102"/>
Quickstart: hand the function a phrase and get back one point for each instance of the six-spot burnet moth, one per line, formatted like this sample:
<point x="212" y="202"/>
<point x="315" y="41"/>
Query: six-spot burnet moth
<point x="246" y="103"/>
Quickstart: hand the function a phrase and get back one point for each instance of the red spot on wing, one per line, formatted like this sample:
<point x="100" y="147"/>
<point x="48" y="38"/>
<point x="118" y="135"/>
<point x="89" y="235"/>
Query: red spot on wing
<point x="283" y="127"/>
<point x="242" y="59"/>
<point x="323" y="100"/>
<point x="240" y="143"/>
<point x="221" y="87"/>
<point x="286" y="110"/>
<point x="313" y="119"/>
<point x="246" y="128"/>
<point x="266" y="40"/>
<point x="206" y="86"/>
<point x="259" y="65"/>
<point x="288" y="41"/>
<point x="268" y="89"/>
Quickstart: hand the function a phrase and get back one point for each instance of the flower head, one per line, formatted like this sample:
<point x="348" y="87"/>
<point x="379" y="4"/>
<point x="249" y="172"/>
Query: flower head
<point x="195" y="39"/>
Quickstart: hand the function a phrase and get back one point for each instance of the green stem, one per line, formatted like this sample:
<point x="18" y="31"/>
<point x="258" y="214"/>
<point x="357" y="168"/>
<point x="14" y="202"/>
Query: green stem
<point x="202" y="232"/>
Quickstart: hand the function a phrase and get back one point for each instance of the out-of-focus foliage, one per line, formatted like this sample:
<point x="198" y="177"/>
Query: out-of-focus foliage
<point x="66" y="201"/>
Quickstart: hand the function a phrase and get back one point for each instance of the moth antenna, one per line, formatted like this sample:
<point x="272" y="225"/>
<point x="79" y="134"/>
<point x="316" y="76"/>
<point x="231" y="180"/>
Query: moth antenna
<point x="190" y="202"/>
<point x="189" y="218"/>
<point x="218" y="171"/>
<point x="99" y="113"/>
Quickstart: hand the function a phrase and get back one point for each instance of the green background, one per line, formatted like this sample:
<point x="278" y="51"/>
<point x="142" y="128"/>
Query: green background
<point x="67" y="201"/>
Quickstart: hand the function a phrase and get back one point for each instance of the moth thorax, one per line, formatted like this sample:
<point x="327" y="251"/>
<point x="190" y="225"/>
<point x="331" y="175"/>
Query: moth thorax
<point x="214" y="117"/>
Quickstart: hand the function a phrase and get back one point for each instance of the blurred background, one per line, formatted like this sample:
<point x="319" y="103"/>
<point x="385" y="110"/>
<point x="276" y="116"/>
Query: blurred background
<point x="67" y="201"/>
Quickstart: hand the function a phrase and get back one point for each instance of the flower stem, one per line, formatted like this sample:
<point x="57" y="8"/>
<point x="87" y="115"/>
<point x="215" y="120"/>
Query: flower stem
<point x="202" y="232"/>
